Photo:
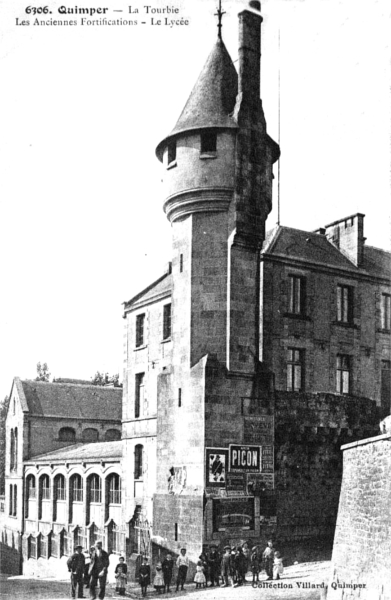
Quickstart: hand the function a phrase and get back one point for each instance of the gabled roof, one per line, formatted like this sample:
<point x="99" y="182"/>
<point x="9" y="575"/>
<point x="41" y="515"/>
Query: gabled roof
<point x="70" y="400"/>
<point x="295" y="244"/>
<point x="154" y="292"/>
<point x="212" y="99"/>
<point x="81" y="452"/>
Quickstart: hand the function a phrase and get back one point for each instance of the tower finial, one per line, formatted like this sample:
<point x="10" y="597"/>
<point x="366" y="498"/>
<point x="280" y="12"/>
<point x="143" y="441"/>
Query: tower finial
<point x="219" y="14"/>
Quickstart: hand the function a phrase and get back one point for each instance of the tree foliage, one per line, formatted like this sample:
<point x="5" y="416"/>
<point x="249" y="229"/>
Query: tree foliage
<point x="43" y="373"/>
<point x="106" y="379"/>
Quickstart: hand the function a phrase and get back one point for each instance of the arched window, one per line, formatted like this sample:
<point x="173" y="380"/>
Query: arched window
<point x="90" y="435"/>
<point x="112" y="435"/>
<point x="76" y="488"/>
<point x="114" y="489"/>
<point x="138" y="461"/>
<point x="67" y="434"/>
<point x="59" y="487"/>
<point x="95" y="488"/>
<point x="30" y="487"/>
<point x="45" y="487"/>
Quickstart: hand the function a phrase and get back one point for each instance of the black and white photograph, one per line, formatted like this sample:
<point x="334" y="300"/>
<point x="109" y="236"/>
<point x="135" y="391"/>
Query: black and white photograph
<point x="195" y="318"/>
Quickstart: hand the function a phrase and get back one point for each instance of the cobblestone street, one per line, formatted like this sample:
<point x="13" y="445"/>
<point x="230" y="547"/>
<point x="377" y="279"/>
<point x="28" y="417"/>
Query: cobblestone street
<point x="305" y="574"/>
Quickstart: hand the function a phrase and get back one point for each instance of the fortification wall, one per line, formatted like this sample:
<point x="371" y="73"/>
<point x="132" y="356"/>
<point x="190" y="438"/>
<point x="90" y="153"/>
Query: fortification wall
<point x="309" y="432"/>
<point x="361" y="560"/>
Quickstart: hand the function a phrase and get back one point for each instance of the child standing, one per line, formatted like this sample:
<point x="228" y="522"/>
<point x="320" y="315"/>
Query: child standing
<point x="120" y="576"/>
<point x="199" y="578"/>
<point x="255" y="566"/>
<point x="268" y="557"/>
<point x="278" y="567"/>
<point x="144" y="576"/>
<point x="158" y="582"/>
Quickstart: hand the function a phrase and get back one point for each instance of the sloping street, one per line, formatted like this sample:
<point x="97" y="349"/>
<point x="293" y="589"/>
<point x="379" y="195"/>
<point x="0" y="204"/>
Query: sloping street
<point x="305" y="581"/>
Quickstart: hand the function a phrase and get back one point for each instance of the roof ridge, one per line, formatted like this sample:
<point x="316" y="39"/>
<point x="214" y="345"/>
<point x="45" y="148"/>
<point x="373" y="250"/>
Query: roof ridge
<point x="84" y="385"/>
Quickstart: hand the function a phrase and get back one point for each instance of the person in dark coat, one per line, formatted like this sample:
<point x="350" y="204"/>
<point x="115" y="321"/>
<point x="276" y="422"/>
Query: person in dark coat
<point x="75" y="566"/>
<point x="240" y="567"/>
<point x="255" y="565"/>
<point x="213" y="566"/>
<point x="98" y="571"/>
<point x="144" y="576"/>
<point x="168" y="567"/>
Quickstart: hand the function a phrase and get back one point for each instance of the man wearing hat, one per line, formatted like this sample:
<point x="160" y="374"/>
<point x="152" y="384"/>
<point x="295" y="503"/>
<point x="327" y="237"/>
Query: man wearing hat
<point x="213" y="565"/>
<point x="182" y="562"/>
<point x="75" y="566"/>
<point x="98" y="571"/>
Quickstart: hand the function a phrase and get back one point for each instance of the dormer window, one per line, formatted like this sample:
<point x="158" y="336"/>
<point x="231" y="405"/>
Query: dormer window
<point x="208" y="143"/>
<point x="171" y="153"/>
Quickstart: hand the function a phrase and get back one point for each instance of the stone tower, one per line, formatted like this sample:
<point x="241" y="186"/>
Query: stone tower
<point x="218" y="177"/>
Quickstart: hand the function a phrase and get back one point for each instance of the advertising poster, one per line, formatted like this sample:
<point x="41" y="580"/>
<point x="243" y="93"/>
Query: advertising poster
<point x="173" y="342"/>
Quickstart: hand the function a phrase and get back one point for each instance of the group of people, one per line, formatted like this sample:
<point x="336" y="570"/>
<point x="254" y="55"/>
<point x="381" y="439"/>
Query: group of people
<point x="164" y="571"/>
<point x="230" y="568"/>
<point x="236" y="562"/>
<point x="90" y="570"/>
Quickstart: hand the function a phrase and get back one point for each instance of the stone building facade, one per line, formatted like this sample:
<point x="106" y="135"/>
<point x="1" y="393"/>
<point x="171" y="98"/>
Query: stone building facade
<point x="361" y="561"/>
<point x="245" y="362"/>
<point x="49" y="428"/>
<point x="325" y="318"/>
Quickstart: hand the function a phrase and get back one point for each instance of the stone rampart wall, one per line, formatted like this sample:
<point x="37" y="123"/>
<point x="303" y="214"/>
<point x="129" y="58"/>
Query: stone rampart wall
<point x="361" y="561"/>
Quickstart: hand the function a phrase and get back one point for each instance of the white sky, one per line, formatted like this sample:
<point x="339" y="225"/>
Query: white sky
<point x="82" y="110"/>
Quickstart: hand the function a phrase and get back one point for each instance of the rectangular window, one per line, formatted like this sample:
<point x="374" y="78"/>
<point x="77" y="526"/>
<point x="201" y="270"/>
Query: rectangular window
<point x="139" y="395"/>
<point x="15" y="507"/>
<point x="386" y="311"/>
<point x="11" y="500"/>
<point x="208" y="142"/>
<point x="297" y="295"/>
<point x="171" y="153"/>
<point x="166" y="321"/>
<point x="181" y="263"/>
<point x="140" y="320"/>
<point x="32" y="551"/>
<point x="343" y="373"/>
<point x="344" y="304"/>
<point x="386" y="384"/>
<point x="295" y="370"/>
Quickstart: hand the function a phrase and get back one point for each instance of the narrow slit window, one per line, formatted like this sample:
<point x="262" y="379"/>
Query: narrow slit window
<point x="179" y="397"/>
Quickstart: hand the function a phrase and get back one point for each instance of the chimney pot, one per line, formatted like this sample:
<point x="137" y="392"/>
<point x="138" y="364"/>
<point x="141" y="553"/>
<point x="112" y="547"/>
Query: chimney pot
<point x="255" y="4"/>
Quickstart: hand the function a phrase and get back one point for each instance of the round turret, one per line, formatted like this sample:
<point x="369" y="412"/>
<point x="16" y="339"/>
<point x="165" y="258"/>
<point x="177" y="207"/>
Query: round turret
<point x="199" y="154"/>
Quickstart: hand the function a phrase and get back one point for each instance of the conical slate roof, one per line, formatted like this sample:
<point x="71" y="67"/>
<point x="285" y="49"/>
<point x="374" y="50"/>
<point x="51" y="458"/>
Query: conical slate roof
<point x="212" y="100"/>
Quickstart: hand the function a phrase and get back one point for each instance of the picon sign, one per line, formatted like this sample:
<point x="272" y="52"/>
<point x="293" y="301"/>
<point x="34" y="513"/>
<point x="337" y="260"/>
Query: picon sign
<point x="244" y="459"/>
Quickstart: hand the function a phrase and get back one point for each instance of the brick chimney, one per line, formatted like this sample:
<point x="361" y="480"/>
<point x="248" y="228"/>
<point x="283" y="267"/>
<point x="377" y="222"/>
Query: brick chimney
<point x="348" y="235"/>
